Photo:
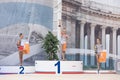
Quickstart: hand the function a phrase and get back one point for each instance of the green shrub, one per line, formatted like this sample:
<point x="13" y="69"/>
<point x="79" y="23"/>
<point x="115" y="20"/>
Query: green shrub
<point x="50" y="44"/>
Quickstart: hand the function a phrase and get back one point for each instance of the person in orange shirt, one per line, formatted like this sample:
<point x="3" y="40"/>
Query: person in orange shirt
<point x="98" y="50"/>
<point x="20" y="45"/>
<point x="64" y="38"/>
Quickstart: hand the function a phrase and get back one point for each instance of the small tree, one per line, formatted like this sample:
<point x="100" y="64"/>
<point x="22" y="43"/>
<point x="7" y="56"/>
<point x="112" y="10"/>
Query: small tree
<point x="50" y="44"/>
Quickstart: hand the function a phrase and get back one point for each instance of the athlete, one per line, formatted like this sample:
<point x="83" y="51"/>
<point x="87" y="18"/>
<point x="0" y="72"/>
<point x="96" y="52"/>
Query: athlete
<point x="20" y="45"/>
<point x="64" y="38"/>
<point x="98" y="49"/>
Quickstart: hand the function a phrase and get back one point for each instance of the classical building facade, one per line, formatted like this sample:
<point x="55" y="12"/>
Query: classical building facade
<point x="86" y="21"/>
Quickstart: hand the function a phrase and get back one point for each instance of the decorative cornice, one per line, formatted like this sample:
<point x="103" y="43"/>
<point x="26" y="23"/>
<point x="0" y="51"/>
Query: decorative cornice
<point x="115" y="28"/>
<point x="103" y="27"/>
<point x="94" y="10"/>
<point x="82" y="22"/>
<point x="92" y="16"/>
<point x="93" y="25"/>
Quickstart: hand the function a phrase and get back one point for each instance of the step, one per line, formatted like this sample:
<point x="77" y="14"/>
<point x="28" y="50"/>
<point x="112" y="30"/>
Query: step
<point x="16" y="69"/>
<point x="63" y="67"/>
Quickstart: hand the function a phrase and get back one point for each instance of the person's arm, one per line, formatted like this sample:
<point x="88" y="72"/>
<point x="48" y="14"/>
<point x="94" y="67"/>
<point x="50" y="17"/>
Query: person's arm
<point x="18" y="43"/>
<point x="95" y="49"/>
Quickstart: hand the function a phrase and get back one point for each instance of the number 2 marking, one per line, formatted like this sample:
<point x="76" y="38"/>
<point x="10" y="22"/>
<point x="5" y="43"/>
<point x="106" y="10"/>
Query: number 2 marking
<point x="21" y="70"/>
<point x="58" y="67"/>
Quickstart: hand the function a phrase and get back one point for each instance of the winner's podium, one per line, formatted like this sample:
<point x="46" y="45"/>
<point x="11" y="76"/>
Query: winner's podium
<point x="62" y="67"/>
<point x="16" y="69"/>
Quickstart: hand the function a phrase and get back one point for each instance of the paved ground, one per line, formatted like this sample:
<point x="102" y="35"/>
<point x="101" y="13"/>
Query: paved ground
<point x="60" y="77"/>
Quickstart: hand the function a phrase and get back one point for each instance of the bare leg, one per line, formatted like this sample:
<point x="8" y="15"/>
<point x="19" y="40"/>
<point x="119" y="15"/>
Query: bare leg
<point x="21" y="57"/>
<point x="63" y="52"/>
<point x="63" y="55"/>
<point x="98" y="63"/>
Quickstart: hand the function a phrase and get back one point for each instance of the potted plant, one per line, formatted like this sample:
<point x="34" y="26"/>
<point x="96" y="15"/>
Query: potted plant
<point x="50" y="45"/>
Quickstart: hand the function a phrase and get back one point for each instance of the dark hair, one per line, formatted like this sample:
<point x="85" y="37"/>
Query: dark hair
<point x="20" y="34"/>
<point x="59" y="25"/>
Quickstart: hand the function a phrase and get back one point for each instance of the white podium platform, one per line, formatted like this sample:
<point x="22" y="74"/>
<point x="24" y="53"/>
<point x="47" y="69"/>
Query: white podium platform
<point x="45" y="67"/>
<point x="65" y="67"/>
<point x="16" y="69"/>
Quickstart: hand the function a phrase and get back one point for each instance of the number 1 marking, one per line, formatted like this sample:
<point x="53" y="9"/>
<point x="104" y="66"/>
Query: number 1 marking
<point x="58" y="67"/>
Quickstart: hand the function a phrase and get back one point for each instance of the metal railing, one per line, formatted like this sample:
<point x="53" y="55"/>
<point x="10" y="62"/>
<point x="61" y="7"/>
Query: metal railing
<point x="90" y="52"/>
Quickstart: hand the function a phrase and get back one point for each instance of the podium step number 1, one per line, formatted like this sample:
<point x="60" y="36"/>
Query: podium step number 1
<point x="58" y="67"/>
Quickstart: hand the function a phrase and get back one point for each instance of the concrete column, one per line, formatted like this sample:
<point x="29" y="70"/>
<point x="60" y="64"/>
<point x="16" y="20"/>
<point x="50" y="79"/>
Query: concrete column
<point x="88" y="34"/>
<point x="103" y="42"/>
<point x="68" y="29"/>
<point x="92" y="42"/>
<point x="107" y="48"/>
<point x="114" y="43"/>
<point x="73" y="33"/>
<point x="103" y="36"/>
<point x="82" y="34"/>
<point x="82" y="24"/>
<point x="86" y="44"/>
<point x="114" y="40"/>
<point x="118" y="45"/>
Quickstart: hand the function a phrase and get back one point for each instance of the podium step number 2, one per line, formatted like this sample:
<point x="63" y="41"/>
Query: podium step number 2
<point x="21" y="70"/>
